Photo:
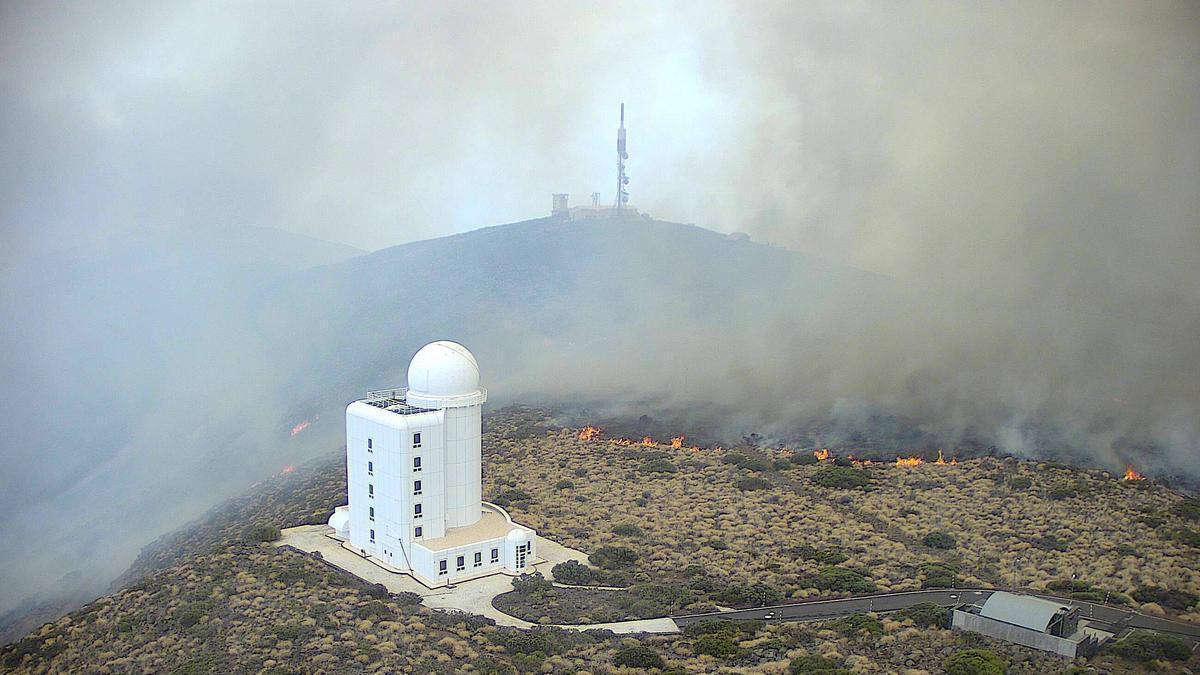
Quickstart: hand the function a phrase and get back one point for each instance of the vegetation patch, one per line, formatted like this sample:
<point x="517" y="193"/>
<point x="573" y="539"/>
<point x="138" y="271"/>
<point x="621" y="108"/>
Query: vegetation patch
<point x="1146" y="646"/>
<point x="841" y="478"/>
<point x="974" y="662"/>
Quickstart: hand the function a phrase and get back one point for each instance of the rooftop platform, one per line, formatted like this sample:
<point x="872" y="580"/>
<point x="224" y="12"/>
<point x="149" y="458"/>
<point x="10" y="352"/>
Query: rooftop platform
<point x="393" y="400"/>
<point x="494" y="524"/>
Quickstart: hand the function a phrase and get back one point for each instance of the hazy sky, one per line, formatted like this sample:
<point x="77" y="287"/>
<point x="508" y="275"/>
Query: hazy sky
<point x="855" y="129"/>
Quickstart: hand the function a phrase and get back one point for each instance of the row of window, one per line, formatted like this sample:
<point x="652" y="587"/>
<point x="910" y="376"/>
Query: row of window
<point x="417" y="531"/>
<point x="460" y="563"/>
<point x="417" y="511"/>
<point x="416" y="442"/>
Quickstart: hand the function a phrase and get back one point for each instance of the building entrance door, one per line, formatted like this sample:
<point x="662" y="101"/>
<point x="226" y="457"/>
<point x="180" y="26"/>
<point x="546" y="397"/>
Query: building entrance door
<point x="522" y="552"/>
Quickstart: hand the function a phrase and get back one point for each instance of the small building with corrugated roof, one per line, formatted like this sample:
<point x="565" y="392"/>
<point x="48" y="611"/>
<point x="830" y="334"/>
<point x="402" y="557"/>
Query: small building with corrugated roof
<point x="1041" y="623"/>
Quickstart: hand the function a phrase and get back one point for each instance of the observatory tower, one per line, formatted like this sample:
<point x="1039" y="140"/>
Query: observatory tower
<point x="413" y="470"/>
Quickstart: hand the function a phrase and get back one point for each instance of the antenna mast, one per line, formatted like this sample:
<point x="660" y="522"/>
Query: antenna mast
<point x="622" y="179"/>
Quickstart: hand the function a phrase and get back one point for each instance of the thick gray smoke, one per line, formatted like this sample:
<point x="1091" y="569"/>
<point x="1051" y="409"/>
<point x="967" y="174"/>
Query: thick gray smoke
<point x="1028" y="173"/>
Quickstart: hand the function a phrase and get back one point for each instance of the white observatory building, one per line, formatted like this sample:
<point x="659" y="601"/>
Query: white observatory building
<point x="413" y="467"/>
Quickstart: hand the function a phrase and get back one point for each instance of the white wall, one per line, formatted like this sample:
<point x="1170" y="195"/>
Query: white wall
<point x="464" y="474"/>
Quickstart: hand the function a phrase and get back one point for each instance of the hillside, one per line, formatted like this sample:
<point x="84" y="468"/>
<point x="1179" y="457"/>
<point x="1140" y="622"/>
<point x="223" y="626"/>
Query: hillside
<point x="160" y="376"/>
<point x="717" y="527"/>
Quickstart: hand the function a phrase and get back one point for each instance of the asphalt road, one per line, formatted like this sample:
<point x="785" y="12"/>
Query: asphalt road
<point x="888" y="602"/>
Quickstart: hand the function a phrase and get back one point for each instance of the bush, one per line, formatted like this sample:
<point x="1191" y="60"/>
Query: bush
<point x="577" y="574"/>
<point x="531" y="584"/>
<point x="1050" y="543"/>
<point x="754" y="483"/>
<point x="815" y="664"/>
<point x="263" y="532"/>
<point x="939" y="540"/>
<point x="825" y="556"/>
<point x="658" y="465"/>
<point x="804" y="458"/>
<point x="627" y="530"/>
<point x="974" y="662"/>
<point x="564" y="484"/>
<point x="1171" y="598"/>
<point x="857" y="624"/>
<point x="720" y="645"/>
<point x="526" y="643"/>
<point x="844" y="580"/>
<point x="639" y="656"/>
<point x="757" y="594"/>
<point x="1188" y="509"/>
<point x="926" y="615"/>
<point x="939" y="575"/>
<point x="1020" y="483"/>
<point x="841" y="477"/>
<point x="1060" y="492"/>
<point x="1146" y="646"/>
<point x="613" y="557"/>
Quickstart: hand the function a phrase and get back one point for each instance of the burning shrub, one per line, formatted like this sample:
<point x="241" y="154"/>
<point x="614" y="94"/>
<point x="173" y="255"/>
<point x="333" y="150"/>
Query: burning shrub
<point x="841" y="477"/>
<point x="940" y="540"/>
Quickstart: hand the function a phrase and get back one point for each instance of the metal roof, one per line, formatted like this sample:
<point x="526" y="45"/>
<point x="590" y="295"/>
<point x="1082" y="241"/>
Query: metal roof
<point x="1021" y="610"/>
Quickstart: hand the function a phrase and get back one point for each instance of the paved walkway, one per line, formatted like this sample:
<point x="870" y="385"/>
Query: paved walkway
<point x="474" y="596"/>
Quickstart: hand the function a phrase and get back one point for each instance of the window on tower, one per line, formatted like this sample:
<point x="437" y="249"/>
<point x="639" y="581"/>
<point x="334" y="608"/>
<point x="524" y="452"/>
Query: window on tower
<point x="369" y="445"/>
<point x="370" y="489"/>
<point x="416" y="487"/>
<point x="417" y="440"/>
<point x="416" y="463"/>
<point x="417" y="532"/>
<point x="372" y="536"/>
<point x="416" y="510"/>
<point x="371" y="513"/>
<point x="370" y="468"/>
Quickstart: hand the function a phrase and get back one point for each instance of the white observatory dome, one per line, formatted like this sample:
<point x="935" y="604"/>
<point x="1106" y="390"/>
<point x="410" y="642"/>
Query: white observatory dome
<point x="517" y="536"/>
<point x="444" y="374"/>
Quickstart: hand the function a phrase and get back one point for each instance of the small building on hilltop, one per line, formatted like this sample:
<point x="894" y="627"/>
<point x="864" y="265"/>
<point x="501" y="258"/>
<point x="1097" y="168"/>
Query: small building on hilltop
<point x="414" y="479"/>
<point x="1048" y="625"/>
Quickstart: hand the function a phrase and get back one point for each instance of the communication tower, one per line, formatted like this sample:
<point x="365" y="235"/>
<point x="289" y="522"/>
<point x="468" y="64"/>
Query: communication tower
<point x="622" y="179"/>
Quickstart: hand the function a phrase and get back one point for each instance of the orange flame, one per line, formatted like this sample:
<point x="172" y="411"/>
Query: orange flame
<point x="822" y="454"/>
<point x="940" y="460"/>
<point x="287" y="469"/>
<point x="1130" y="474"/>
<point x="862" y="462"/>
<point x="649" y="442"/>
<point x="301" y="427"/>
<point x="909" y="461"/>
<point x="677" y="442"/>
<point x="589" y="433"/>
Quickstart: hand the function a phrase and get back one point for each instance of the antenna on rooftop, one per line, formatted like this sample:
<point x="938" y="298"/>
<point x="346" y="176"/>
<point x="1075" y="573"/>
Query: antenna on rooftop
<point x="622" y="179"/>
